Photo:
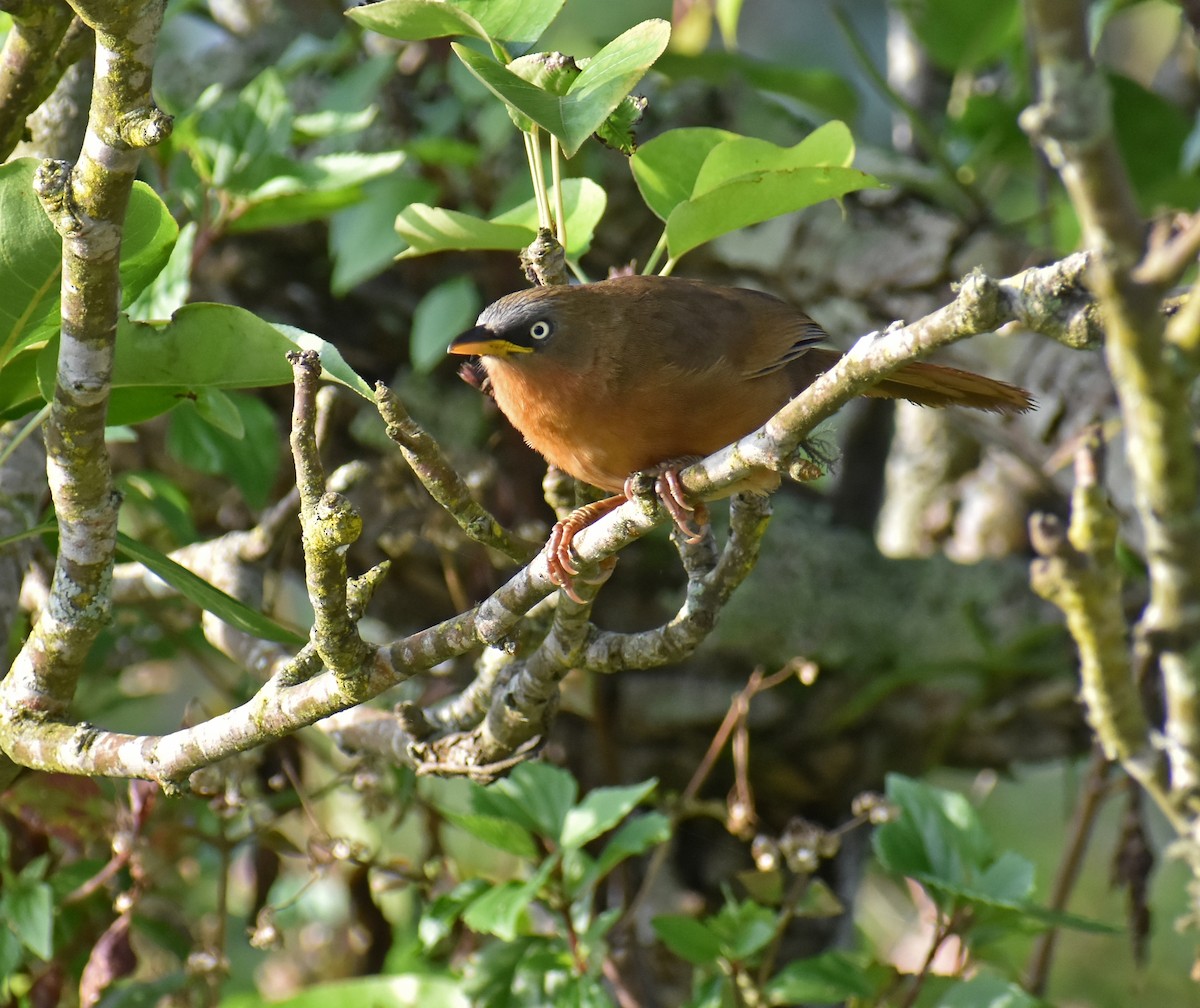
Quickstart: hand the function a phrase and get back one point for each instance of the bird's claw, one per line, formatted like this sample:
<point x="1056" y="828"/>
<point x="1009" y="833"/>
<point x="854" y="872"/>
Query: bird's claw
<point x="670" y="491"/>
<point x="560" y="558"/>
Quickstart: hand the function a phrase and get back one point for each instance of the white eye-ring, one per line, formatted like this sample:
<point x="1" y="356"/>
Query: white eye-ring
<point x="540" y="329"/>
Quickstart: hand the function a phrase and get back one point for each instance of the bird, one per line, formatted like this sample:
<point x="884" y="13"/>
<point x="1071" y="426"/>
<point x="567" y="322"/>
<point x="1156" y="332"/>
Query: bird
<point x="646" y="374"/>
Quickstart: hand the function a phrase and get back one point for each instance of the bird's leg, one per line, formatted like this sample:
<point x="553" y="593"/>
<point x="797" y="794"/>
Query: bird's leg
<point x="669" y="490"/>
<point x="558" y="550"/>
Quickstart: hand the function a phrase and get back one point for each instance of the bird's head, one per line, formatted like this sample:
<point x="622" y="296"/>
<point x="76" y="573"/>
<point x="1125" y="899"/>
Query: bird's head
<point x="527" y="322"/>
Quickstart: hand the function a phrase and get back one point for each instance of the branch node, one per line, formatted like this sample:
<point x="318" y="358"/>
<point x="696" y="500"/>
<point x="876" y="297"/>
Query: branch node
<point x="52" y="184"/>
<point x="144" y="127"/>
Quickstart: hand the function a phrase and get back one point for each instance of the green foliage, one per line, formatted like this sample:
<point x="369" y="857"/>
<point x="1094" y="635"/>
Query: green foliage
<point x="705" y="182"/>
<point x="939" y="841"/>
<point x="536" y="816"/>
<point x="429" y="229"/>
<point x="573" y="111"/>
<point x="237" y="614"/>
<point x="964" y="34"/>
<point x="745" y="182"/>
<point x="240" y="144"/>
<point x="488" y="20"/>
<point x="30" y="273"/>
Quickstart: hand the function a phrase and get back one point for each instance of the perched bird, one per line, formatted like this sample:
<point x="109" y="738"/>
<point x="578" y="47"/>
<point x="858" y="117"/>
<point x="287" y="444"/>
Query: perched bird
<point x="647" y="373"/>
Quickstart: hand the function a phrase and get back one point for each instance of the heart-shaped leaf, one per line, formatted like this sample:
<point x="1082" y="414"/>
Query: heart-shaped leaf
<point x="705" y="182"/>
<point x="603" y="82"/>
<point x="754" y="198"/>
<point x="666" y="167"/>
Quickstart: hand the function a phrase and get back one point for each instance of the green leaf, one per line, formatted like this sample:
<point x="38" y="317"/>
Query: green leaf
<point x="333" y="365"/>
<point x="250" y="459"/>
<point x="415" y="20"/>
<point x="1010" y="878"/>
<point x="171" y="288"/>
<point x="988" y="990"/>
<point x="665" y="168"/>
<point x="617" y="131"/>
<point x="400" y="990"/>
<point x="743" y="929"/>
<point x="688" y="938"/>
<point x="146" y="243"/>
<point x="830" y="144"/>
<point x="237" y="140"/>
<point x="31" y="256"/>
<point x="28" y="907"/>
<point x="19" y="389"/>
<point x="362" y="238"/>
<point x="584" y="202"/>
<point x="217" y="409"/>
<point x="440" y="315"/>
<point x="30" y="261"/>
<point x="705" y="182"/>
<point x="495" y="831"/>
<point x="210" y="346"/>
<point x="938" y="834"/>
<point x="308" y="190"/>
<point x="544" y="793"/>
<point x="502" y="20"/>
<point x="160" y="496"/>
<point x="10" y="950"/>
<point x="601" y="810"/>
<point x="206" y="596"/>
<point x="754" y="198"/>
<point x="633" y="838"/>
<point x="823" y="93"/>
<point x="498" y="911"/>
<point x="964" y="34"/>
<point x="832" y="977"/>
<point x="439" y="917"/>
<point x="603" y="83"/>
<point x="432" y="229"/>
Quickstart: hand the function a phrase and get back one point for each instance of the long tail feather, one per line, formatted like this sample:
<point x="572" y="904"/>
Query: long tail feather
<point x="928" y="385"/>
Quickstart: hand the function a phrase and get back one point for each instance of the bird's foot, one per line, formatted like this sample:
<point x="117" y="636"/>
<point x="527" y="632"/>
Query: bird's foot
<point x="669" y="490"/>
<point x="563" y="569"/>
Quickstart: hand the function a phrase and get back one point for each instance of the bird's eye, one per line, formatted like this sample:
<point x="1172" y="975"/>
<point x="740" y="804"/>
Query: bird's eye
<point x="540" y="329"/>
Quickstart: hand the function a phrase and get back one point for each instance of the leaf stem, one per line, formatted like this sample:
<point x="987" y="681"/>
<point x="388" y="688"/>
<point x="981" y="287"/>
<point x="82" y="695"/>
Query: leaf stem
<point x="23" y="433"/>
<point x="533" y="151"/>
<point x="659" y="250"/>
<point x="556" y="181"/>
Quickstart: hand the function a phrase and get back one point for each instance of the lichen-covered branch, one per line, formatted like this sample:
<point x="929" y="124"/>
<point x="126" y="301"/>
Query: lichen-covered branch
<point x="1077" y="571"/>
<point x="1071" y="121"/>
<point x="505" y="716"/>
<point x="30" y="64"/>
<point x="86" y="202"/>
<point x="329" y="525"/>
<point x="444" y="484"/>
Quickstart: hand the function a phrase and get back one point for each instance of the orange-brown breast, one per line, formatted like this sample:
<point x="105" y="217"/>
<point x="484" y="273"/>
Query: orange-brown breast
<point x="601" y="425"/>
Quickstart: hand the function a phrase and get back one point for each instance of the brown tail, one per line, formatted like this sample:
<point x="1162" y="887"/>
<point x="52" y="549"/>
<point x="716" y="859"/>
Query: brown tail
<point x="929" y="385"/>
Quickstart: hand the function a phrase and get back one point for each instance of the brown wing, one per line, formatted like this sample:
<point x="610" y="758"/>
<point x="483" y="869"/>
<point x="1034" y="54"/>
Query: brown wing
<point x="699" y="327"/>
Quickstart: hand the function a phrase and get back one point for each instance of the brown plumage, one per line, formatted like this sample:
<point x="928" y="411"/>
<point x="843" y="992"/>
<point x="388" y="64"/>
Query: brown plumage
<point x="630" y="374"/>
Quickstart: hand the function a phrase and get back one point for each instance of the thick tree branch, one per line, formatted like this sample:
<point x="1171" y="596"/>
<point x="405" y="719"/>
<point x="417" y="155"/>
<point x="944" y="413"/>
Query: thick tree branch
<point x="1078" y="572"/>
<point x="30" y="64"/>
<point x="87" y="203"/>
<point x="1071" y="122"/>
